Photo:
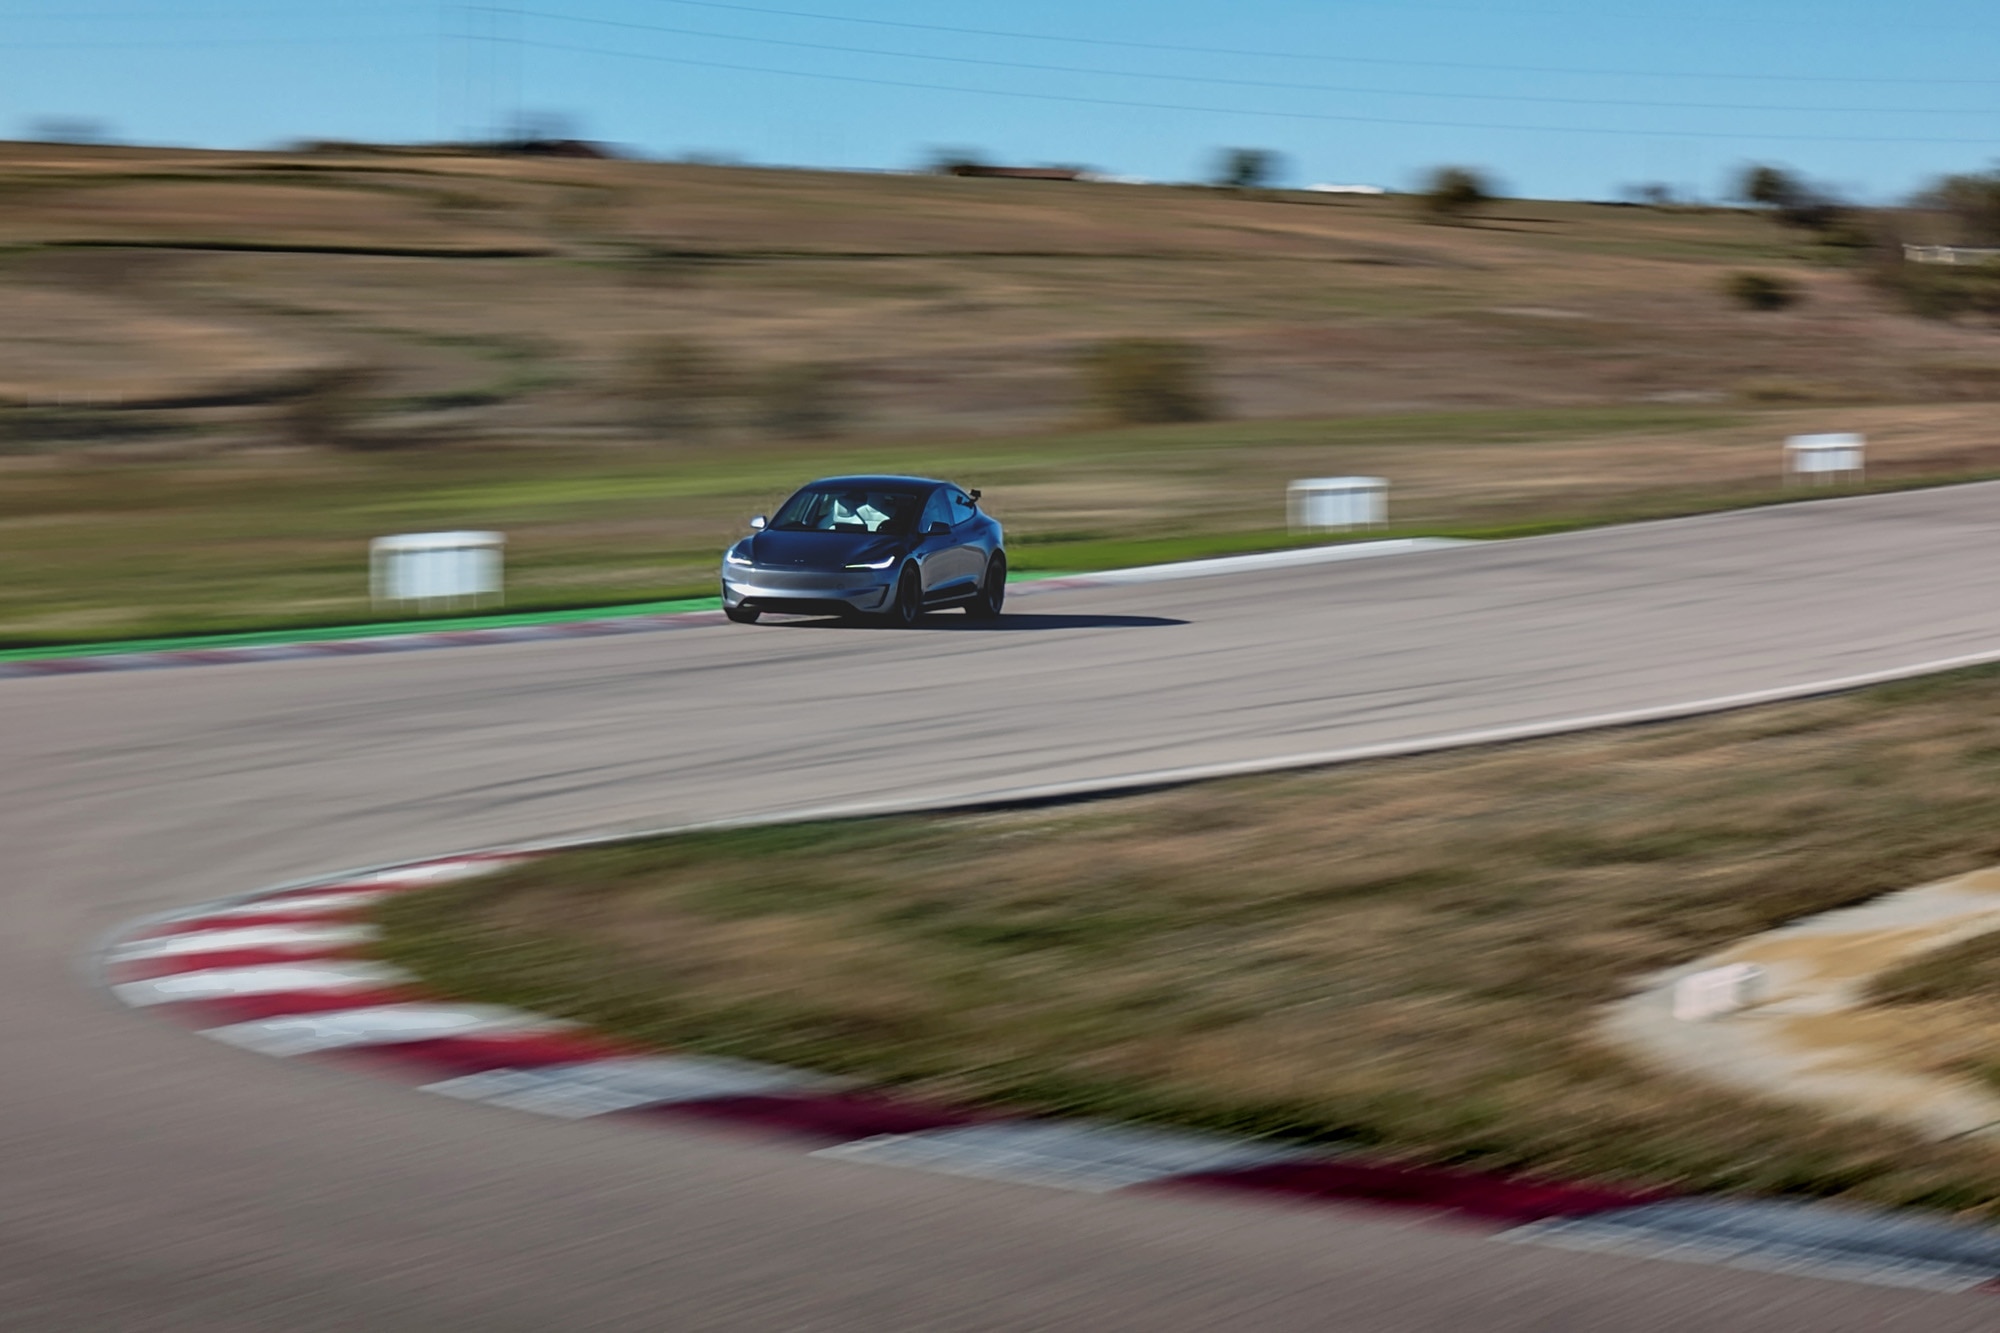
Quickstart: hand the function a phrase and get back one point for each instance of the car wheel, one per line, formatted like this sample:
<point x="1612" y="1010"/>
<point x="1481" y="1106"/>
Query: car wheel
<point x="908" y="606"/>
<point x="992" y="592"/>
<point x="742" y="615"/>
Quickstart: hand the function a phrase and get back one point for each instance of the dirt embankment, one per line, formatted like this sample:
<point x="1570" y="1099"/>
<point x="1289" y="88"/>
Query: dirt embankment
<point x="507" y="297"/>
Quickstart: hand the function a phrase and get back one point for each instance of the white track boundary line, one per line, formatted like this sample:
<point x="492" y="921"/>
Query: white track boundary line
<point x="1250" y="564"/>
<point x="1145" y="779"/>
<point x="1105" y="786"/>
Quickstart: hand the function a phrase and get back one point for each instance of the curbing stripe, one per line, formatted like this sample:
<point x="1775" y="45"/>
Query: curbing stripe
<point x="1787" y="1237"/>
<point x="380" y="1025"/>
<point x="303" y="940"/>
<point x="575" y="1091"/>
<point x="311" y="1001"/>
<point x="219" y="983"/>
<point x="1074" y="1155"/>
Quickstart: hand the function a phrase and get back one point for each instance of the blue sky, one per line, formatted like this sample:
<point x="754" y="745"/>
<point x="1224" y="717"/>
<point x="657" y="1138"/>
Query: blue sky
<point x="1560" y="98"/>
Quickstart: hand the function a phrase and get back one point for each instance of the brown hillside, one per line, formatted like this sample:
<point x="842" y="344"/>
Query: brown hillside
<point x="497" y="298"/>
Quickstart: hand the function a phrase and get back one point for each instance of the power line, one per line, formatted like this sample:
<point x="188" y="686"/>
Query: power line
<point x="197" y="43"/>
<point x="1228" y="82"/>
<point x="1330" y="117"/>
<point x="1130" y="45"/>
<point x="174" y="16"/>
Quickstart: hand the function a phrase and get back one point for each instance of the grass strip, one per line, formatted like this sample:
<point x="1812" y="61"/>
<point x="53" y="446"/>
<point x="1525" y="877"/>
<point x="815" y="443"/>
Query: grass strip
<point x="365" y="630"/>
<point x="1032" y="559"/>
<point x="1969" y="969"/>
<point x="1405" y="954"/>
<point x="135" y="550"/>
<point x="1951" y="998"/>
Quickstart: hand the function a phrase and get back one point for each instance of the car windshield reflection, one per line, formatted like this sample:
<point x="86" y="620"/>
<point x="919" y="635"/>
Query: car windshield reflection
<point x="847" y="510"/>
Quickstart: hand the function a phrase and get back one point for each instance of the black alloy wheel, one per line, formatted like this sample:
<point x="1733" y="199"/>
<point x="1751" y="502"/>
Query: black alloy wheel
<point x="992" y="593"/>
<point x="908" y="606"/>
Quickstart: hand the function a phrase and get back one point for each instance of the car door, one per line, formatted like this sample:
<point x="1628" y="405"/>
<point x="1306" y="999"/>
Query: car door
<point x="967" y="536"/>
<point x="936" y="553"/>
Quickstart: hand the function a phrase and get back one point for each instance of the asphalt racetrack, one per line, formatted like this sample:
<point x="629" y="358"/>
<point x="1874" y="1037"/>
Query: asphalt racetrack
<point x="150" y="1180"/>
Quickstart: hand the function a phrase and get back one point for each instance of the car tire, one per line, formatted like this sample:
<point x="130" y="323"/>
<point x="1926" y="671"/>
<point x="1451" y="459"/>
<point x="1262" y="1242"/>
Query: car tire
<point x="742" y="615"/>
<point x="992" y="595"/>
<point x="907" y="607"/>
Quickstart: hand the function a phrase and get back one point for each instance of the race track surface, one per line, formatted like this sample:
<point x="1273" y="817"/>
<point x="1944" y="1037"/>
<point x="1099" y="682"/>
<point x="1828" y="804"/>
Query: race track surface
<point x="154" y="1181"/>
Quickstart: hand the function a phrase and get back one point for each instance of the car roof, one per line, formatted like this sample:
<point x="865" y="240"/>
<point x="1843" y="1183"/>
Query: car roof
<point x="884" y="481"/>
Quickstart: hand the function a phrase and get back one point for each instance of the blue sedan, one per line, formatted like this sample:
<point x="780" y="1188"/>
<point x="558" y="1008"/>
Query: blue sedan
<point x="888" y="547"/>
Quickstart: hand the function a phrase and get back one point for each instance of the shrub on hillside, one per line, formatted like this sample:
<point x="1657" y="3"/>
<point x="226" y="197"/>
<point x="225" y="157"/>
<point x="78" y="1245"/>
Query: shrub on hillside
<point x="1768" y="186"/>
<point x="328" y="407"/>
<point x="1973" y="204"/>
<point x="680" y="384"/>
<point x="1791" y="199"/>
<point x="954" y="161"/>
<point x="1139" y="381"/>
<point x="1246" y="168"/>
<point x="1931" y="291"/>
<point x="1761" y="291"/>
<point x="1937" y="291"/>
<point x="1451" y="193"/>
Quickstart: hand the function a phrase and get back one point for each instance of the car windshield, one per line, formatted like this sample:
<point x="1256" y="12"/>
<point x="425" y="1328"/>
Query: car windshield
<point x="849" y="509"/>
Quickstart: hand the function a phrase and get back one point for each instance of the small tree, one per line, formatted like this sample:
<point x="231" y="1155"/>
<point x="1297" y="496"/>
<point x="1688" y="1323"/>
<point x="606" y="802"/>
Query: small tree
<point x="1454" y="192"/>
<point x="679" y="384"/>
<point x="953" y="161"/>
<point x="1769" y="186"/>
<point x="1791" y="199"/>
<point x="1246" y="168"/>
<point x="1761" y="291"/>
<point x="1140" y="381"/>
<point x="328" y="407"/>
<point x="1973" y="201"/>
<point x="1934" y="291"/>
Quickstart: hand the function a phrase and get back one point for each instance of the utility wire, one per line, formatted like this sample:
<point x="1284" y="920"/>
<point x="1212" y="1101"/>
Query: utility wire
<point x="689" y="62"/>
<point x="196" y="43"/>
<point x="1234" y="83"/>
<point x="1130" y="45"/>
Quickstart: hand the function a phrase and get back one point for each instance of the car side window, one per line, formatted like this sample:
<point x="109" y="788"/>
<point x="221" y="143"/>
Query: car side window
<point x="938" y="510"/>
<point x="962" y="508"/>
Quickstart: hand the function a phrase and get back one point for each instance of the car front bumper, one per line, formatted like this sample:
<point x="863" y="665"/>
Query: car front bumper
<point x="807" y="592"/>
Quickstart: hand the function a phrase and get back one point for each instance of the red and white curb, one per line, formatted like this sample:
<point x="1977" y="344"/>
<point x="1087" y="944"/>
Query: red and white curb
<point x="287" y="972"/>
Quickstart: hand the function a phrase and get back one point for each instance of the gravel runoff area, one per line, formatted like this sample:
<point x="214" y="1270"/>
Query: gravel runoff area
<point x="1815" y="1029"/>
<point x="1404" y="955"/>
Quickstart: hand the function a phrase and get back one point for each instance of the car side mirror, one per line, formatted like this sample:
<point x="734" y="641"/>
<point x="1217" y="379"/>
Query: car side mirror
<point x="974" y="496"/>
<point x="938" y="530"/>
<point x="758" y="522"/>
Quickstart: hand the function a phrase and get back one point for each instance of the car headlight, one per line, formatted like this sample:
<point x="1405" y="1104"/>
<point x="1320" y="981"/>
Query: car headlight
<point x="883" y="563"/>
<point x="731" y="557"/>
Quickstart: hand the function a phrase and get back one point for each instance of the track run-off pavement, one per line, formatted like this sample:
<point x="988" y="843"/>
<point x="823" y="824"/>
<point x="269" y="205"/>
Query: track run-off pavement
<point x="155" y="1181"/>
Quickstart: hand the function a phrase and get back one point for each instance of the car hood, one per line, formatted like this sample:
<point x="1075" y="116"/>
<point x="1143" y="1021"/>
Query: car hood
<point x="820" y="550"/>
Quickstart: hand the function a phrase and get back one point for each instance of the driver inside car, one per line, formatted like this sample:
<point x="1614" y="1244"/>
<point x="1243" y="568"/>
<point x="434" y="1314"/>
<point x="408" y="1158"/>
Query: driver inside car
<point x="862" y="509"/>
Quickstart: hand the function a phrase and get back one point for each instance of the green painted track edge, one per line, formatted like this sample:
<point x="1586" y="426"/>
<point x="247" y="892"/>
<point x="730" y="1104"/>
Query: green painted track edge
<point x="272" y="638"/>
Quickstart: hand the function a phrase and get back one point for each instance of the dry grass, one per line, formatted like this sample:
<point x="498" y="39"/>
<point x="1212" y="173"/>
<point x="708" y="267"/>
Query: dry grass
<point x="958" y="306"/>
<point x="137" y="545"/>
<point x="1968" y="969"/>
<point x="162" y="312"/>
<point x="1948" y="1001"/>
<point x="1402" y="954"/>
